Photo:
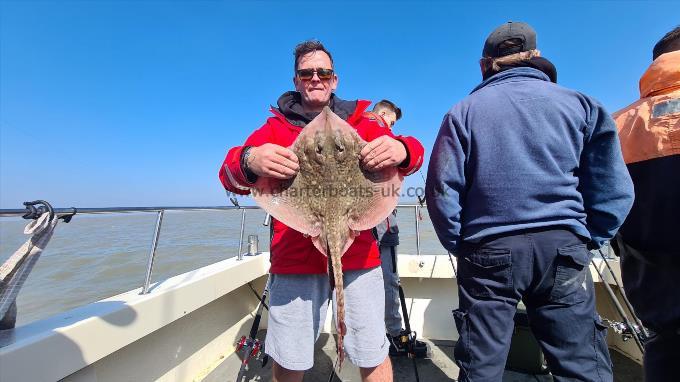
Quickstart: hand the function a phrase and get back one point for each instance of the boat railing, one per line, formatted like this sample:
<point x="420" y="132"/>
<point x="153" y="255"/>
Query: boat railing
<point x="160" y="211"/>
<point x="628" y="328"/>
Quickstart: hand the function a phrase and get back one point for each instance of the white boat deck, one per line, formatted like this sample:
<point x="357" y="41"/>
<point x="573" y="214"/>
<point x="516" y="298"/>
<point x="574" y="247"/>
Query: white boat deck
<point x="185" y="329"/>
<point x="440" y="366"/>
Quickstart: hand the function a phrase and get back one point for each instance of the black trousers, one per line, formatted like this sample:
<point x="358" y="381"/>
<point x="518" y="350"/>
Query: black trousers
<point x="652" y="289"/>
<point x="549" y="270"/>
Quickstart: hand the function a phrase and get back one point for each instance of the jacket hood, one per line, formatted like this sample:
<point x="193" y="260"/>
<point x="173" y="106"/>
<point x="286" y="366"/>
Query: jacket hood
<point x="290" y="105"/>
<point x="662" y="76"/>
<point x="513" y="74"/>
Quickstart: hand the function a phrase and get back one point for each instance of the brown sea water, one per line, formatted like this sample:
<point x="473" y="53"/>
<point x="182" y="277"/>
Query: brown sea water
<point x="98" y="256"/>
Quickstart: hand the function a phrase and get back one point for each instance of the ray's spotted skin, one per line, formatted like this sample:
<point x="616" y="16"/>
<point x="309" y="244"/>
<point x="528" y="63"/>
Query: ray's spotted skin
<point x="332" y="198"/>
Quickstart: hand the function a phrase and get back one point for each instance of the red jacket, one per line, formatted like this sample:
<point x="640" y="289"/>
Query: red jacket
<point x="291" y="252"/>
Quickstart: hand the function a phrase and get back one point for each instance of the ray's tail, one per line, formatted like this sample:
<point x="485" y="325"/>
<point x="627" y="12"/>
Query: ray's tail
<point x="337" y="282"/>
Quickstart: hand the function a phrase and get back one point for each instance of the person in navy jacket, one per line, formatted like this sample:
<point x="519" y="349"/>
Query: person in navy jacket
<point x="525" y="177"/>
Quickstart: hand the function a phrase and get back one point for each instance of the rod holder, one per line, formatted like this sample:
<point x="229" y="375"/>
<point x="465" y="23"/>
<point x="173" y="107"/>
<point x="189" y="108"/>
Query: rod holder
<point x="416" y="209"/>
<point x="239" y="256"/>
<point x="253" y="245"/>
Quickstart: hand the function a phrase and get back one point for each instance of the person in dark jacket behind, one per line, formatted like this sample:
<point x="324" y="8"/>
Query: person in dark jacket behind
<point x="386" y="113"/>
<point x="649" y="130"/>
<point x="525" y="176"/>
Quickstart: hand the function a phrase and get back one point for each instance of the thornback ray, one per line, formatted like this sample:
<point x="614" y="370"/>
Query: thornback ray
<point x="332" y="198"/>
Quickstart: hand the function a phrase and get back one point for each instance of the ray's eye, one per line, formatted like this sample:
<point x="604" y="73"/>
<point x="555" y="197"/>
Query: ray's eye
<point x="339" y="143"/>
<point x="319" y="148"/>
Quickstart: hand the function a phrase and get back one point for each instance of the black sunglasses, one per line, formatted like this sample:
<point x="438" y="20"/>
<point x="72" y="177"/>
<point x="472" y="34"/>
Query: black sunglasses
<point x="308" y="74"/>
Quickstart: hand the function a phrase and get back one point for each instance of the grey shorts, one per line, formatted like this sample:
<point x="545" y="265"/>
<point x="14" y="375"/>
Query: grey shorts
<point x="297" y="312"/>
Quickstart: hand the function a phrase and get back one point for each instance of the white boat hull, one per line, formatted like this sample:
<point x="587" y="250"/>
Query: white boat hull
<point x="188" y="324"/>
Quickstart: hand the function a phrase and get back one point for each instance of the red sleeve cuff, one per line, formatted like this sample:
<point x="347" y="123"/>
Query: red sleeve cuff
<point x="231" y="173"/>
<point x="415" y="155"/>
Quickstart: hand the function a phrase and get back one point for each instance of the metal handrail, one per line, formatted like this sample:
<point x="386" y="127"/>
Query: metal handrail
<point x="152" y="253"/>
<point x="633" y="329"/>
<point x="104" y="210"/>
<point x="239" y="255"/>
<point x="160" y="210"/>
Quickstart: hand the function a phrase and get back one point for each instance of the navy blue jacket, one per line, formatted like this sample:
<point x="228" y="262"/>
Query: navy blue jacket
<point x="522" y="152"/>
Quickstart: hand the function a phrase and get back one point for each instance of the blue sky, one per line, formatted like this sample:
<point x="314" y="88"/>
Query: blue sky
<point x="110" y="103"/>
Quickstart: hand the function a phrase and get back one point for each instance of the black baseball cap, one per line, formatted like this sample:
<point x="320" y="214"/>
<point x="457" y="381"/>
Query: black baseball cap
<point x="509" y="31"/>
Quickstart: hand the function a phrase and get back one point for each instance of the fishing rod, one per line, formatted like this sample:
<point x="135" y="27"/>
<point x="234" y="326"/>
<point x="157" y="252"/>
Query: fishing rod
<point x="410" y="338"/>
<point x="626" y="328"/>
<point x="259" y="297"/>
<point x="251" y="346"/>
<point x="637" y="320"/>
<point x="421" y="200"/>
<point x="419" y="218"/>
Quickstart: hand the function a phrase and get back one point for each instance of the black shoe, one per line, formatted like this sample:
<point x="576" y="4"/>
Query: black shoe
<point x="399" y="346"/>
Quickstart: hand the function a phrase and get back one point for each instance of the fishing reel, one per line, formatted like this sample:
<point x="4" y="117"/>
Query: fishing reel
<point x="626" y="332"/>
<point x="408" y="340"/>
<point x="254" y="348"/>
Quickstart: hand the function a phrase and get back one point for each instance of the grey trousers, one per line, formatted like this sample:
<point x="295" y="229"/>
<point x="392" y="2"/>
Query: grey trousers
<point x="297" y="310"/>
<point x="392" y="304"/>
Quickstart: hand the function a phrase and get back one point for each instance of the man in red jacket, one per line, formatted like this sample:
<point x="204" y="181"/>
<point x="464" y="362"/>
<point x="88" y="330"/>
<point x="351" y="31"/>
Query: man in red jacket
<point x="300" y="288"/>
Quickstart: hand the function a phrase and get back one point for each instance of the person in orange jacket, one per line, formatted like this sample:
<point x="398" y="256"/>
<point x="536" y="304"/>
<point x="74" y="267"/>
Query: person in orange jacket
<point x="300" y="289"/>
<point x="649" y="131"/>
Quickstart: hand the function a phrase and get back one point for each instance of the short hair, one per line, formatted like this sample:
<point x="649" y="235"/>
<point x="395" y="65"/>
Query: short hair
<point x="307" y="47"/>
<point x="388" y="105"/>
<point x="668" y="43"/>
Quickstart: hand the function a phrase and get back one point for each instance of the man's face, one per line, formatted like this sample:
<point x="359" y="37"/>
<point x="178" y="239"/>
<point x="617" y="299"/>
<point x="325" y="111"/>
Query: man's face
<point x="388" y="115"/>
<point x="315" y="92"/>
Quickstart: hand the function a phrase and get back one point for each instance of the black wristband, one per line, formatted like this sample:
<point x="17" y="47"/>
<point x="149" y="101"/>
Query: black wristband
<point x="251" y="177"/>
